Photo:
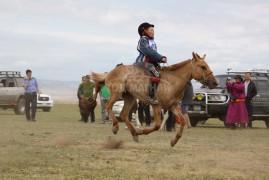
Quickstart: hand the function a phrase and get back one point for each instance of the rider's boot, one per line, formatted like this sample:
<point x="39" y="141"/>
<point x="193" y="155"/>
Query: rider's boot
<point x="152" y="99"/>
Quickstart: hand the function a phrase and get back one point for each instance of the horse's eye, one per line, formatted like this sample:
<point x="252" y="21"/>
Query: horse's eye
<point x="203" y="68"/>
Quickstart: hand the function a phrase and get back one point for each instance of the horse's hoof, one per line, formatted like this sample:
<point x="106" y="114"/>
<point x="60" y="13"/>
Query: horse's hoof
<point x="138" y="131"/>
<point x="173" y="142"/>
<point x="135" y="138"/>
<point x="115" y="130"/>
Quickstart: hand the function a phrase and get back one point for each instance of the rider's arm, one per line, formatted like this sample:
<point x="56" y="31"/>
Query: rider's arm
<point x="144" y="47"/>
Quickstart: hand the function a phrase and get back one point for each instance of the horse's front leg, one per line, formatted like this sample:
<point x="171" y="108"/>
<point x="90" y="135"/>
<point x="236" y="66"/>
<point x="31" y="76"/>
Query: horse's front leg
<point x="157" y="121"/>
<point x="177" y="113"/>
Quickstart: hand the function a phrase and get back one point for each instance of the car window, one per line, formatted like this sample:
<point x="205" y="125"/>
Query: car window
<point x="10" y="82"/>
<point x="3" y="81"/>
<point x="19" y="81"/>
<point x="262" y="86"/>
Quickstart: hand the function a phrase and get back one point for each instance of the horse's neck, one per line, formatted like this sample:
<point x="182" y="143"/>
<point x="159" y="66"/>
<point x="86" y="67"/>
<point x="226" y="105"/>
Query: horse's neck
<point x="181" y="70"/>
<point x="179" y="78"/>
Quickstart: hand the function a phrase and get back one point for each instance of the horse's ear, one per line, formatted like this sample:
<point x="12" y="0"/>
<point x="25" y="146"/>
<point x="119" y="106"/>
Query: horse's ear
<point x="198" y="56"/>
<point x="194" y="55"/>
<point x="204" y="56"/>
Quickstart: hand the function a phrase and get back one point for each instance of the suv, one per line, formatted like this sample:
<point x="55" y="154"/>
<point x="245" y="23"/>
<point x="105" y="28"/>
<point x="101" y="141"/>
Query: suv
<point x="12" y="94"/>
<point x="214" y="103"/>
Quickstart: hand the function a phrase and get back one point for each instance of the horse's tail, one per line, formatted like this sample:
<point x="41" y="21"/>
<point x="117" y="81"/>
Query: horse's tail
<point x="99" y="77"/>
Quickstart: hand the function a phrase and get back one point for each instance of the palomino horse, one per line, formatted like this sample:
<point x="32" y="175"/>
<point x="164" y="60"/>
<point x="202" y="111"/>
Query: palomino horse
<point x="131" y="82"/>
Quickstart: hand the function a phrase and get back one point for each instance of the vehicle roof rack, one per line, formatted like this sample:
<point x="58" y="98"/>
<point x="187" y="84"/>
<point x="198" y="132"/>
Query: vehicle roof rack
<point x="10" y="74"/>
<point x="254" y="72"/>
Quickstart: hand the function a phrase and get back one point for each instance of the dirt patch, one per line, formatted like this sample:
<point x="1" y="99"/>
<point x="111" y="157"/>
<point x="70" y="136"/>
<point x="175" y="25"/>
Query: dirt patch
<point x="112" y="143"/>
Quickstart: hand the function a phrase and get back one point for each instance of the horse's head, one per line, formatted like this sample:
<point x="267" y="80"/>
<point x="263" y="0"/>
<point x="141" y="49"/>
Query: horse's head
<point x="202" y="72"/>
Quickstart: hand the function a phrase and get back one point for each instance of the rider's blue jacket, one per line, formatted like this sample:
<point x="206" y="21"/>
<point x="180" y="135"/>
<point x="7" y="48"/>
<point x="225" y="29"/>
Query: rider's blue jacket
<point x="147" y="51"/>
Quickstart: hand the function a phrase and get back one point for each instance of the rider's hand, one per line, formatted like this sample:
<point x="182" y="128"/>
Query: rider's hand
<point x="164" y="60"/>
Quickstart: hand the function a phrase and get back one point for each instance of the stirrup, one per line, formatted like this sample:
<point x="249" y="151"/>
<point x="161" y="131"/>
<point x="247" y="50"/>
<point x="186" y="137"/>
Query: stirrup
<point x="153" y="100"/>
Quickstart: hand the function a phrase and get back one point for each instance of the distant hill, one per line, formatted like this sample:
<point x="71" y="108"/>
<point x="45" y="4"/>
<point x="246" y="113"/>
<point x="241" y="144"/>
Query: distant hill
<point x="66" y="91"/>
<point x="61" y="91"/>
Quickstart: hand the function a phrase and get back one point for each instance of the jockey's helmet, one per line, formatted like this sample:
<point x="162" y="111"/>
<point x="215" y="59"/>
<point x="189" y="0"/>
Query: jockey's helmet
<point x="144" y="26"/>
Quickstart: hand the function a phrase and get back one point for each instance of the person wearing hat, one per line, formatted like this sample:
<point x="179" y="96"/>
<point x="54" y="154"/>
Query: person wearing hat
<point x="85" y="90"/>
<point x="149" y="58"/>
<point x="250" y="91"/>
<point x="237" y="112"/>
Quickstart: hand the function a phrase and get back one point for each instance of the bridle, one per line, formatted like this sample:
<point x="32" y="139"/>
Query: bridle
<point x="205" y="77"/>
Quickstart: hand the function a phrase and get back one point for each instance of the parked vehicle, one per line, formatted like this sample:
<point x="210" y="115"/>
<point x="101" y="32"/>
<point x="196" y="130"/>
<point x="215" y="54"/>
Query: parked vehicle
<point x="44" y="102"/>
<point x="214" y="103"/>
<point x="12" y="94"/>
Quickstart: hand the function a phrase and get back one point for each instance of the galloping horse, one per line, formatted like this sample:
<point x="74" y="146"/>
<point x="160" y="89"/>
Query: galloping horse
<point x="131" y="82"/>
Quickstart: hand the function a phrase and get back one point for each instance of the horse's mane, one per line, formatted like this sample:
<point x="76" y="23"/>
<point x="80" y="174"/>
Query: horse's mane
<point x="176" y="66"/>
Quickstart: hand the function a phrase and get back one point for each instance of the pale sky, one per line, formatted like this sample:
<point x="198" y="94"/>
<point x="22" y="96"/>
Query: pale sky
<point x="65" y="39"/>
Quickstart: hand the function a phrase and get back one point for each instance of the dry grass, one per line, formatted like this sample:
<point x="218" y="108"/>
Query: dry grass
<point x="57" y="146"/>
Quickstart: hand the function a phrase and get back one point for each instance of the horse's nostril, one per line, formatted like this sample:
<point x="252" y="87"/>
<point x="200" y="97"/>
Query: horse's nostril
<point x="215" y="83"/>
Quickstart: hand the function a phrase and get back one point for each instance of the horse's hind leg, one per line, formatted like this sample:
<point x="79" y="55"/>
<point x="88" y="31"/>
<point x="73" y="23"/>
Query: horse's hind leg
<point x="176" y="112"/>
<point x="109" y="105"/>
<point x="128" y="104"/>
<point x="157" y="121"/>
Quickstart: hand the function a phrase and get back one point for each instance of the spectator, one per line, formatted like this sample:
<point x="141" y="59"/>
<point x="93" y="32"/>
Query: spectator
<point x="170" y="122"/>
<point x="185" y="103"/>
<point x="85" y="91"/>
<point x="250" y="92"/>
<point x="104" y="96"/>
<point x="144" y="113"/>
<point x="132" y="111"/>
<point x="79" y="99"/>
<point x="237" y="112"/>
<point x="31" y="89"/>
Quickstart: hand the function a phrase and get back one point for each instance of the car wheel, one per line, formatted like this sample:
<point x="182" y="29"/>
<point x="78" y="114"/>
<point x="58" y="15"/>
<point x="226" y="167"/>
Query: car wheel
<point x="20" y="107"/>
<point x="223" y="118"/>
<point x="194" y="122"/>
<point x="46" y="109"/>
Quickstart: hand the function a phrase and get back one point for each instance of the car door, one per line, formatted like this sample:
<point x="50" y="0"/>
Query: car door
<point x="12" y="91"/>
<point x="261" y="100"/>
<point x="3" y="92"/>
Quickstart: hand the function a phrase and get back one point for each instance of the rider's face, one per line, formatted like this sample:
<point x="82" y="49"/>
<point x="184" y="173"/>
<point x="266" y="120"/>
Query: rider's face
<point x="150" y="32"/>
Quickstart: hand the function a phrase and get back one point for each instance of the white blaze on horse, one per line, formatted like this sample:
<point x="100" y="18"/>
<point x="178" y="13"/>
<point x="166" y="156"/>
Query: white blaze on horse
<point x="131" y="83"/>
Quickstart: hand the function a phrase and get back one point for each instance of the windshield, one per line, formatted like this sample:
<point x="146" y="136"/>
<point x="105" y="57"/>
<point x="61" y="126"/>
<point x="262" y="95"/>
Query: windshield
<point x="222" y="82"/>
<point x="19" y="81"/>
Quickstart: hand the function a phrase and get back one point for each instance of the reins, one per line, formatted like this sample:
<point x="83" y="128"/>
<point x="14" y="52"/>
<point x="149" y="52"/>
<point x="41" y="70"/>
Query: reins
<point x="194" y="69"/>
<point x="163" y="68"/>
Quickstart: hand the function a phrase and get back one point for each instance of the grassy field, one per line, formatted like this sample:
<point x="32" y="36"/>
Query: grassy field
<point x="58" y="146"/>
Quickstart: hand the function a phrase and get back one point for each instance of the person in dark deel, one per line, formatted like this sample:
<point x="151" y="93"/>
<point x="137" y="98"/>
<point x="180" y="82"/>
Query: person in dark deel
<point x="144" y="108"/>
<point x="250" y="92"/>
<point x="85" y="90"/>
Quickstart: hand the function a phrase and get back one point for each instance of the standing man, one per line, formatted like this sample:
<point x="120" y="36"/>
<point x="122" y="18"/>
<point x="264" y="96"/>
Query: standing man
<point x="104" y="97"/>
<point x="79" y="100"/>
<point x="144" y="108"/>
<point x="31" y="89"/>
<point x="186" y="101"/>
<point x="85" y="91"/>
<point x="250" y="92"/>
